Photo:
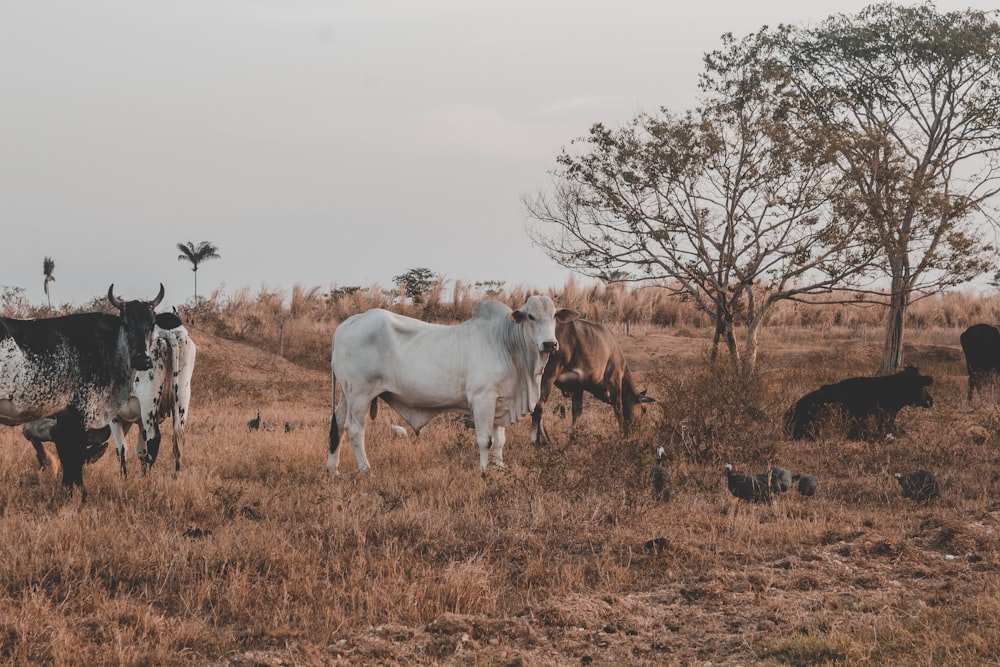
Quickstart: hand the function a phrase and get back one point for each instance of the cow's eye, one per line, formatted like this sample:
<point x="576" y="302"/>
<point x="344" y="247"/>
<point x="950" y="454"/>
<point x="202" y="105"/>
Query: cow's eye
<point x="531" y="317"/>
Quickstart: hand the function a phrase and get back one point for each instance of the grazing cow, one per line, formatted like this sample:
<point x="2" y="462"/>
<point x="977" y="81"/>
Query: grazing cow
<point x="981" y="344"/>
<point x="869" y="404"/>
<point x="489" y="366"/>
<point x="77" y="368"/>
<point x="589" y="359"/>
<point x="40" y="431"/>
<point x="161" y="391"/>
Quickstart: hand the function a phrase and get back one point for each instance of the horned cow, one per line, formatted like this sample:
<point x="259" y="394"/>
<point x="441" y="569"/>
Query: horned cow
<point x="161" y="391"/>
<point x="77" y="368"/>
<point x="489" y="366"/>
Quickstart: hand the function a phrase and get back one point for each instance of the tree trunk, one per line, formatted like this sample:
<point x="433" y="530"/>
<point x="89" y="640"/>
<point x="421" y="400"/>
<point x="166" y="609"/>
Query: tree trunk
<point x="750" y="351"/>
<point x="715" y="340"/>
<point x="899" y="300"/>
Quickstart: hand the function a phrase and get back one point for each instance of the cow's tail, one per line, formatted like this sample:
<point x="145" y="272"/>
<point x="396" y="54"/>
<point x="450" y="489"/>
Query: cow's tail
<point x="334" y="428"/>
<point x="175" y="398"/>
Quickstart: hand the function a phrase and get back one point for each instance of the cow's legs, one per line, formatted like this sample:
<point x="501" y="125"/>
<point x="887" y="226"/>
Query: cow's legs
<point x="147" y="447"/>
<point x="118" y="434"/>
<point x="40" y="453"/>
<point x="577" y="411"/>
<point x="483" y="414"/>
<point x="71" y="441"/>
<point x="355" y="427"/>
<point x="496" y="450"/>
<point x="538" y="434"/>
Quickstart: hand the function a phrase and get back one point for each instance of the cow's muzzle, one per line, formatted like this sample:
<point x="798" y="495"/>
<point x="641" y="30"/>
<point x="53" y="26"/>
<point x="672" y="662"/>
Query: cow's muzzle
<point x="550" y="346"/>
<point x="141" y="362"/>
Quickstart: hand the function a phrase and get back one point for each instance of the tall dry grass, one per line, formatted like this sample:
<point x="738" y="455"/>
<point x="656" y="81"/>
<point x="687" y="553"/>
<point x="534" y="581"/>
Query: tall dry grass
<point x="253" y="556"/>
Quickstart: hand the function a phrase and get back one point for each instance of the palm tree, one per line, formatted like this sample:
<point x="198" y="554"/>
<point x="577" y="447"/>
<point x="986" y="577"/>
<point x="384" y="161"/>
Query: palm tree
<point x="196" y="254"/>
<point x="48" y="266"/>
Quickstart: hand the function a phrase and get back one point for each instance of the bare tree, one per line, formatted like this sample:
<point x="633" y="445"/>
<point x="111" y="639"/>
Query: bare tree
<point x="48" y="266"/>
<point x="196" y="254"/>
<point x="725" y="206"/>
<point x="909" y="100"/>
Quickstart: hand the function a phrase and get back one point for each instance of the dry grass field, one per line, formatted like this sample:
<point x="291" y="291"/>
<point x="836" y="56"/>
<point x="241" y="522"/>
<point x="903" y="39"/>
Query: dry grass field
<point x="253" y="556"/>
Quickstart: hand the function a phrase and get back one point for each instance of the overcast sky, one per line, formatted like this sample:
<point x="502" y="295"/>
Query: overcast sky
<point x="319" y="143"/>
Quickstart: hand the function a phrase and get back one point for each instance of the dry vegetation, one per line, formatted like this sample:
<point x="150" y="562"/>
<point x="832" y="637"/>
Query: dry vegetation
<point x="252" y="556"/>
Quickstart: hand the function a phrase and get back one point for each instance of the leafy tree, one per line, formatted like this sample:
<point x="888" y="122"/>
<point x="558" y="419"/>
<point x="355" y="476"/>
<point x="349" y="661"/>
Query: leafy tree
<point x="415" y="283"/>
<point x="908" y="99"/>
<point x="196" y="254"/>
<point x="48" y="266"/>
<point x="723" y="205"/>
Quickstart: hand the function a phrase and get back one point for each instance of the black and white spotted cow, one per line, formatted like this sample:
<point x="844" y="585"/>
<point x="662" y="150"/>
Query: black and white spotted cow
<point x="161" y="391"/>
<point x="77" y="368"/>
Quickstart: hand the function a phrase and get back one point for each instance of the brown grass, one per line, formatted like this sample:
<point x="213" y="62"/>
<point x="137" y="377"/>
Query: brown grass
<point x="253" y="556"/>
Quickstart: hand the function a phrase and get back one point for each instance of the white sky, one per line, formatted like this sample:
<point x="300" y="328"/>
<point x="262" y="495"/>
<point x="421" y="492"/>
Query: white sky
<point x="317" y="143"/>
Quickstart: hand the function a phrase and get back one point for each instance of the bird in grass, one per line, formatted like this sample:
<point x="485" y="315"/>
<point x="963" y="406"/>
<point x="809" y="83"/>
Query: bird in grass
<point x="781" y="479"/>
<point x="397" y="430"/>
<point x="919" y="485"/>
<point x="748" y="487"/>
<point x="806" y="483"/>
<point x="660" y="477"/>
<point x="254" y="424"/>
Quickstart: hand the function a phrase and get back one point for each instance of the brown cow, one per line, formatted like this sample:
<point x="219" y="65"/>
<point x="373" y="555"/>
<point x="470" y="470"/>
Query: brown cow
<point x="589" y="359"/>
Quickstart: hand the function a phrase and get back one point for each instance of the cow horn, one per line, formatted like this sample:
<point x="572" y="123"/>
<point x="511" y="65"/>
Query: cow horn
<point x="115" y="301"/>
<point x="159" y="297"/>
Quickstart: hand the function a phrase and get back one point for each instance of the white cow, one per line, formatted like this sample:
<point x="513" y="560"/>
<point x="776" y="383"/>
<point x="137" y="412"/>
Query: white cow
<point x="489" y="366"/>
<point x="164" y="389"/>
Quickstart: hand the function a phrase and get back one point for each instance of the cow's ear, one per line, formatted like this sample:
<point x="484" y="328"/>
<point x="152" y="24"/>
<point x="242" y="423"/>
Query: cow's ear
<point x="518" y="316"/>
<point x="167" y="321"/>
<point x="566" y="315"/>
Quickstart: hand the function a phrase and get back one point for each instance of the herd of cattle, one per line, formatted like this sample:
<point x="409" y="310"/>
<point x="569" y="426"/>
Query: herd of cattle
<point x="77" y="380"/>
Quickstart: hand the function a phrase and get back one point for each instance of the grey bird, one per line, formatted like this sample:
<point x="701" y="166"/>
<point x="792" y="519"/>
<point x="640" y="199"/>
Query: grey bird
<point x="919" y="485"/>
<point x="781" y="479"/>
<point x="748" y="487"/>
<point x="807" y="483"/>
<point x="254" y="424"/>
<point x="660" y="477"/>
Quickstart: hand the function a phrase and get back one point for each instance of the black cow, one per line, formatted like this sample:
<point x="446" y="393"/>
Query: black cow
<point x="869" y="404"/>
<point x="77" y="368"/>
<point x="589" y="359"/>
<point x="40" y="431"/>
<point x="981" y="344"/>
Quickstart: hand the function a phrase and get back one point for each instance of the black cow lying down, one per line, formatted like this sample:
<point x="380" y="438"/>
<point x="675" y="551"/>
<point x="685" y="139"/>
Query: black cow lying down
<point x="869" y="404"/>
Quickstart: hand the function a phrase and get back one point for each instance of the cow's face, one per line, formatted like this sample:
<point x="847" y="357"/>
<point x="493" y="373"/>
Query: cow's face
<point x="138" y="320"/>
<point x="538" y="316"/>
<point x="634" y="406"/>
<point x="917" y="387"/>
